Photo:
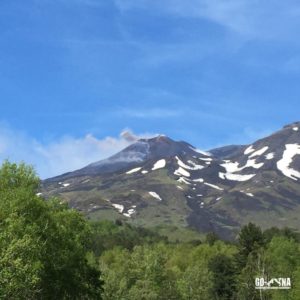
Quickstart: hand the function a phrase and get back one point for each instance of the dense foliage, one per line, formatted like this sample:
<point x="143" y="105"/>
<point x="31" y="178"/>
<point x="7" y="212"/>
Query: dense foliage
<point x="107" y="235"/>
<point x="43" y="245"/>
<point x="48" y="251"/>
<point x="212" y="270"/>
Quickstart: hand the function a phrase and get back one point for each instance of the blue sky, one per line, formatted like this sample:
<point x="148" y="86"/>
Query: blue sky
<point x="74" y="74"/>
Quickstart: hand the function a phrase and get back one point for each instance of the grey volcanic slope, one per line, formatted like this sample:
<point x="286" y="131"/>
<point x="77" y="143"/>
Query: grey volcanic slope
<point x="228" y="151"/>
<point x="135" y="154"/>
<point x="159" y="181"/>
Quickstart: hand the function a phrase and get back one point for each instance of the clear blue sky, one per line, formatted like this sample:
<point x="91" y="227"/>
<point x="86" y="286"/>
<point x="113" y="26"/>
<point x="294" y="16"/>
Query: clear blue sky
<point x="76" y="73"/>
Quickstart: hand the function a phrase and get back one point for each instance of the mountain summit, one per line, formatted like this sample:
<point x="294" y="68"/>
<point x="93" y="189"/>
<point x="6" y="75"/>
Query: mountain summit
<point x="136" y="154"/>
<point x="160" y="181"/>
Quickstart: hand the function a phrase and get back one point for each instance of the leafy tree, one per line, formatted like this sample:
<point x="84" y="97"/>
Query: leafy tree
<point x="250" y="240"/>
<point x="43" y="245"/>
<point x="256" y="267"/>
<point x="107" y="235"/>
<point x="187" y="271"/>
<point x="284" y="232"/>
<point x="279" y="258"/>
<point x="282" y="258"/>
<point x="116" y="273"/>
<point x="295" y="292"/>
<point x="195" y="283"/>
<point x="223" y="275"/>
<point x="14" y="176"/>
<point x="142" y="274"/>
<point x="211" y="238"/>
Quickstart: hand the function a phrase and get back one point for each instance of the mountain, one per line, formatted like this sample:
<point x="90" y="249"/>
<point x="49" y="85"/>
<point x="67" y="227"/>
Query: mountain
<point x="161" y="182"/>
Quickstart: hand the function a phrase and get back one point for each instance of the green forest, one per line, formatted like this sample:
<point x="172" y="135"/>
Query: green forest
<point x="49" y="251"/>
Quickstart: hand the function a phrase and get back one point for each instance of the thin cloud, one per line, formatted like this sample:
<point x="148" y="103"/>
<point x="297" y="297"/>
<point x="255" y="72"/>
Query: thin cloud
<point x="253" y="19"/>
<point x="63" y="155"/>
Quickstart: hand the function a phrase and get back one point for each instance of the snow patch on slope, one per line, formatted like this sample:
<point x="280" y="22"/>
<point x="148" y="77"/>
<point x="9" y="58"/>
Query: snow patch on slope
<point x="159" y="164"/>
<point x="130" y="212"/>
<point x="284" y="164"/>
<point x="248" y="194"/>
<point x="232" y="167"/>
<point x="183" y="165"/>
<point x="133" y="171"/>
<point x="235" y="177"/>
<point x="270" y="156"/>
<point x="119" y="207"/>
<point x="180" y="171"/>
<point x="195" y="166"/>
<point x="155" y="195"/>
<point x="183" y="180"/>
<point x="249" y="150"/>
<point x="213" y="186"/>
<point x="259" y="152"/>
<point x="252" y="163"/>
<point x="206" y="158"/>
<point x="198" y="180"/>
<point x="200" y="151"/>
